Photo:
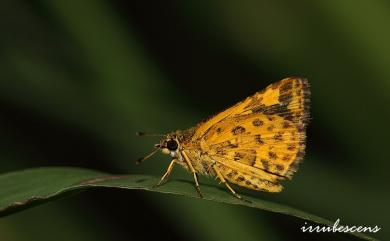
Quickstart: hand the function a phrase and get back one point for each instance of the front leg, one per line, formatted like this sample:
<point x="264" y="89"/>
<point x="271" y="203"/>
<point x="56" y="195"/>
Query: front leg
<point x="194" y="173"/>
<point x="167" y="173"/>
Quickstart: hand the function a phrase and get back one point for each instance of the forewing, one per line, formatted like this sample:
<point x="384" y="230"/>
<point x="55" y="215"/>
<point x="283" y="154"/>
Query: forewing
<point x="265" y="132"/>
<point x="288" y="98"/>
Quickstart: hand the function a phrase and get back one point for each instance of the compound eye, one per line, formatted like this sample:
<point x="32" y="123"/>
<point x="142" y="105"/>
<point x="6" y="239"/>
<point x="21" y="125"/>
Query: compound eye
<point x="172" y="145"/>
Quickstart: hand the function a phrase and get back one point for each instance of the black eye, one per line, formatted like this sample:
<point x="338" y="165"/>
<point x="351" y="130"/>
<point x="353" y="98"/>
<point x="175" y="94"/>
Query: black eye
<point x="172" y="145"/>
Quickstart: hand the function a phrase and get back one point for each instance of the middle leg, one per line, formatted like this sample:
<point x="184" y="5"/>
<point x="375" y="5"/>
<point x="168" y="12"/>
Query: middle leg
<point x="194" y="173"/>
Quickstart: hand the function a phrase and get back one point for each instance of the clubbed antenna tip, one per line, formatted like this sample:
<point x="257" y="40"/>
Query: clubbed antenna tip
<point x="140" y="133"/>
<point x="140" y="160"/>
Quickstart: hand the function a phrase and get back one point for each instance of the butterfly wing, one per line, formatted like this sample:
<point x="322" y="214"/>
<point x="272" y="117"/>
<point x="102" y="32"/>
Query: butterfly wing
<point x="263" y="136"/>
<point x="288" y="98"/>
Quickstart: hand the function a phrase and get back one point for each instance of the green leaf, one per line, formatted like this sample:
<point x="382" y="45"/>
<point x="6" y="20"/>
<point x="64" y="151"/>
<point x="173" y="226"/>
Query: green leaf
<point x="23" y="189"/>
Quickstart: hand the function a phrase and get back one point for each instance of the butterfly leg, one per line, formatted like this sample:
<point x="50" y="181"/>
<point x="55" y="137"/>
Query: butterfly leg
<point x="222" y="179"/>
<point x="167" y="173"/>
<point x="192" y="169"/>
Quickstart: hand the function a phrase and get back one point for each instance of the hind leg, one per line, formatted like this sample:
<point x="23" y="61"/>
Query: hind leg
<point x="223" y="180"/>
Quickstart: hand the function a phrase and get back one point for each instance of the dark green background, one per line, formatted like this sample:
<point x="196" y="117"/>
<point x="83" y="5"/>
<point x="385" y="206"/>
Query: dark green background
<point x="78" y="78"/>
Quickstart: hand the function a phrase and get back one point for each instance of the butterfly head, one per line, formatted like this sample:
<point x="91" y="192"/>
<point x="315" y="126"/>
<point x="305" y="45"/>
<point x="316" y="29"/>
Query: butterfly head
<point x="169" y="145"/>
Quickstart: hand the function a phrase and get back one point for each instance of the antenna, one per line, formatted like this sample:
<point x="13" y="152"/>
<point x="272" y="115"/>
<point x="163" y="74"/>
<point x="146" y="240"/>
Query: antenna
<point x="140" y="160"/>
<point x="140" y="133"/>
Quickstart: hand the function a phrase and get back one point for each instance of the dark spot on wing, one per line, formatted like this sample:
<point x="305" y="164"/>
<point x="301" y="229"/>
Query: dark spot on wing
<point x="229" y="144"/>
<point x="258" y="139"/>
<point x="221" y="150"/>
<point x="279" y="167"/>
<point x="265" y="164"/>
<point x="285" y="98"/>
<point x="238" y="130"/>
<point x="270" y="118"/>
<point x="257" y="122"/>
<point x="272" y="155"/>
<point x="286" y="157"/>
<point x="230" y="175"/>
<point x="288" y="115"/>
<point x="291" y="147"/>
<point x="286" y="124"/>
<point x="240" y="179"/>
<point x="278" y="137"/>
<point x="238" y="156"/>
<point x="286" y="86"/>
<point x="251" y="158"/>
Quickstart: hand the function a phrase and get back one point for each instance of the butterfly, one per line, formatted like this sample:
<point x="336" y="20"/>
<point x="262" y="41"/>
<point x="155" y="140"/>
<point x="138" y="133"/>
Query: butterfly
<point x="255" y="144"/>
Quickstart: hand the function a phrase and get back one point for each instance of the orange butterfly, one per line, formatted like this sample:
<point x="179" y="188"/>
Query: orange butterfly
<point x="255" y="144"/>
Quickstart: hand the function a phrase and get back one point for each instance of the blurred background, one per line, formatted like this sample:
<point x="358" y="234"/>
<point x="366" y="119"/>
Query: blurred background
<point x="79" y="78"/>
